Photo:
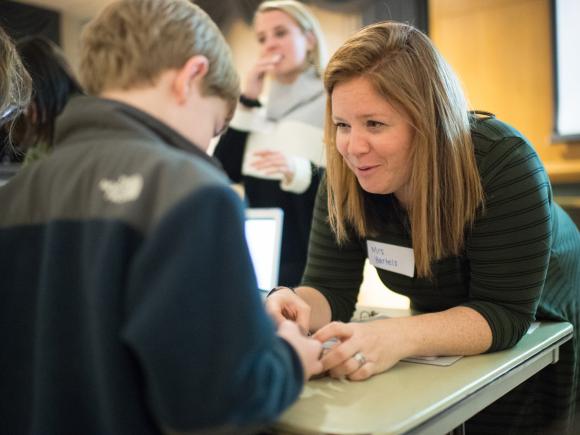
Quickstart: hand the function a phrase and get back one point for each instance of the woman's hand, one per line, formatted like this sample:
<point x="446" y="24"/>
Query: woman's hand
<point x="287" y="305"/>
<point x="273" y="163"/>
<point x="361" y="349"/>
<point x="254" y="82"/>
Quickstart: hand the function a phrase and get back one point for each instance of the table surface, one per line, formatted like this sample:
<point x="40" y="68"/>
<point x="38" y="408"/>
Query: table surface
<point x="414" y="397"/>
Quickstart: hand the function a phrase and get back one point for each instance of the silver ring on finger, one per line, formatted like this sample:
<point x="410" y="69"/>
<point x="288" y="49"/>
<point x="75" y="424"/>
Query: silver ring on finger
<point x="360" y="358"/>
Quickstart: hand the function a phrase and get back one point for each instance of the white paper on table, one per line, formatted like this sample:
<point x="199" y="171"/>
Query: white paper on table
<point x="533" y="327"/>
<point x="433" y="360"/>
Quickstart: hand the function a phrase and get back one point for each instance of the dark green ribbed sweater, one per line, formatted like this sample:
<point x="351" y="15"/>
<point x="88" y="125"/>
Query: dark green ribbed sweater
<point x="521" y="258"/>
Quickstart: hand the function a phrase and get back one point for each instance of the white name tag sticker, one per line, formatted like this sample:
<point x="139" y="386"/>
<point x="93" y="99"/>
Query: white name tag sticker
<point x="393" y="258"/>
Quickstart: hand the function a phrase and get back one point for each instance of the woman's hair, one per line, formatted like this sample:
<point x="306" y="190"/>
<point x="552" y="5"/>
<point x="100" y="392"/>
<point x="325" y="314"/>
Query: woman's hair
<point x="131" y="42"/>
<point x="405" y="68"/>
<point x="53" y="84"/>
<point x="308" y="23"/>
<point x="15" y="83"/>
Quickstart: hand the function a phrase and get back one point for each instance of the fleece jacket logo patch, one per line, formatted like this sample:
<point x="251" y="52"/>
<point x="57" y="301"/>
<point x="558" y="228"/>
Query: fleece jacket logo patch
<point x="124" y="189"/>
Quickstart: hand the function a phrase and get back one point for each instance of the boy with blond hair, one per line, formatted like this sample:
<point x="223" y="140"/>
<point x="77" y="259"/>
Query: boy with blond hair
<point x="129" y="303"/>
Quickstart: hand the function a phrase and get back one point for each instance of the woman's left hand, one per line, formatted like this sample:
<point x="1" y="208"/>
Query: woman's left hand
<point x="274" y="162"/>
<point x="361" y="350"/>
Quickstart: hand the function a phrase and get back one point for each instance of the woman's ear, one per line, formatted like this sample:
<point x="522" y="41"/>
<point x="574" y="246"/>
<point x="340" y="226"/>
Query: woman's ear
<point x="190" y="77"/>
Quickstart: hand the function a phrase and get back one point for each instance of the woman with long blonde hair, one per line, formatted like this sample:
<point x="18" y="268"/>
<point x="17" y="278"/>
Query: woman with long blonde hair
<point x="274" y="144"/>
<point x="454" y="210"/>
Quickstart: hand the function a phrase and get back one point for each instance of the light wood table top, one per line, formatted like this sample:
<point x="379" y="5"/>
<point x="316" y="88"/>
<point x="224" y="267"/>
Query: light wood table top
<point x="419" y="398"/>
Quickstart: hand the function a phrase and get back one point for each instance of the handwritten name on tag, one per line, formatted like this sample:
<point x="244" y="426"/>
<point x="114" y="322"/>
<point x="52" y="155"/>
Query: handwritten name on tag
<point x="393" y="258"/>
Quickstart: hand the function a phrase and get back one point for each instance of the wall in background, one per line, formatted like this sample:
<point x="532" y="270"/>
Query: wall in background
<point x="414" y="12"/>
<point x="71" y="27"/>
<point x="20" y="20"/>
<point x="501" y="50"/>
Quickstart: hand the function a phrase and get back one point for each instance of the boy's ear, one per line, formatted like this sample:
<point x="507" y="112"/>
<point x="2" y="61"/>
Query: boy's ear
<point x="190" y="76"/>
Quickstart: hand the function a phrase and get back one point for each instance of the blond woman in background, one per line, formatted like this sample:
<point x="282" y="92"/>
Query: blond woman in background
<point x="274" y="144"/>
